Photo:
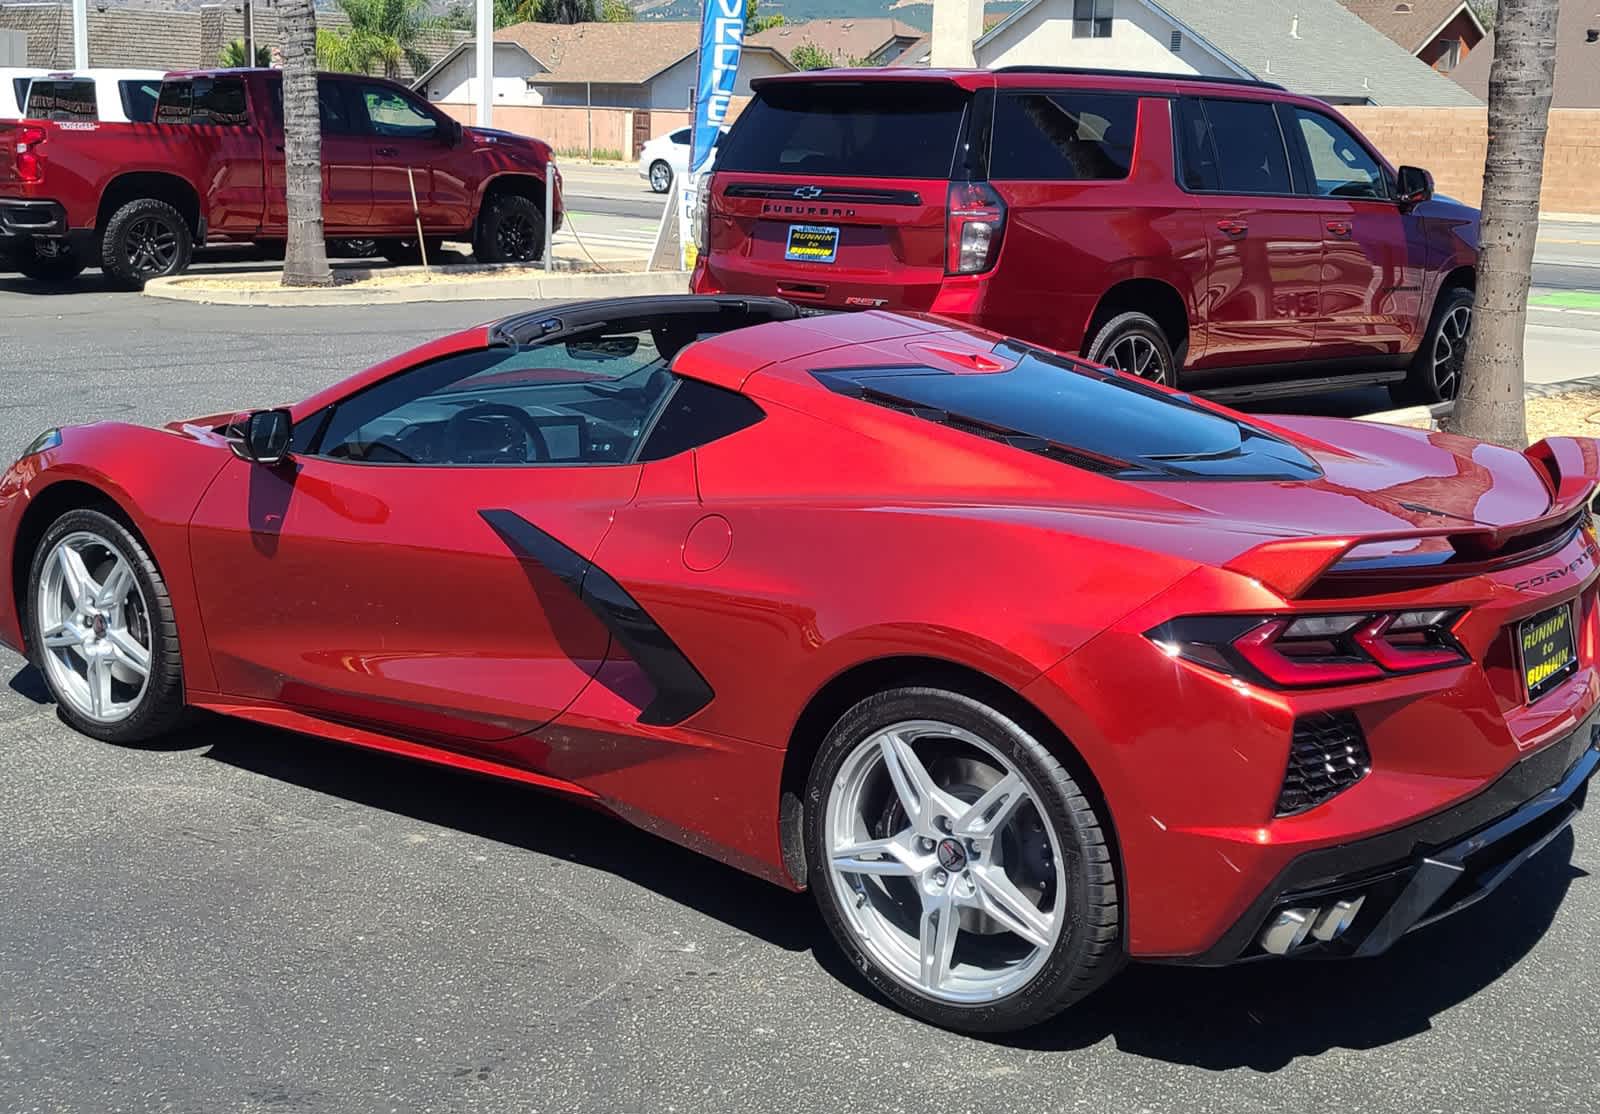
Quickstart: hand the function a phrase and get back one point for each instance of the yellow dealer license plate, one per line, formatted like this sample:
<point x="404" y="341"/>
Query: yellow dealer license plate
<point x="1545" y="645"/>
<point x="812" y="243"/>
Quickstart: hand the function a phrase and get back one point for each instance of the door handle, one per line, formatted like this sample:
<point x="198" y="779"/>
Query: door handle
<point x="389" y="152"/>
<point x="1233" y="227"/>
<point x="1339" y="228"/>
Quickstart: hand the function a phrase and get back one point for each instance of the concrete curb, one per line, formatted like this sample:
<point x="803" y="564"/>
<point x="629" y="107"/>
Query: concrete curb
<point x="1417" y="417"/>
<point x="529" y="286"/>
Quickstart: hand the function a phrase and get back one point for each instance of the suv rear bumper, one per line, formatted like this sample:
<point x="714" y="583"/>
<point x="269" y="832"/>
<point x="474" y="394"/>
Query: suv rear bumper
<point x="1411" y="877"/>
<point x="26" y="217"/>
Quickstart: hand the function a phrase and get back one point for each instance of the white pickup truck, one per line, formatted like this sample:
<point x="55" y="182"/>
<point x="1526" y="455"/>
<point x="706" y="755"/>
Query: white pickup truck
<point x="107" y="96"/>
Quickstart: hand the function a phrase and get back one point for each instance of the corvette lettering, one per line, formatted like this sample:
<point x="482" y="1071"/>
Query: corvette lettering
<point x="1586" y="557"/>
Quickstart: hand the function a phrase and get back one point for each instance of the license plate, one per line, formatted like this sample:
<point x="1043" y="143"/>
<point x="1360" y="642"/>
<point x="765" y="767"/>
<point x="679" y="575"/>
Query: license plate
<point x="812" y="243"/>
<point x="1547" y="650"/>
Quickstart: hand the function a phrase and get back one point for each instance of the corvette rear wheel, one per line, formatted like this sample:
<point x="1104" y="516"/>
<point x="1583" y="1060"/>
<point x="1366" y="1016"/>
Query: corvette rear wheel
<point x="102" y="631"/>
<point x="958" y="864"/>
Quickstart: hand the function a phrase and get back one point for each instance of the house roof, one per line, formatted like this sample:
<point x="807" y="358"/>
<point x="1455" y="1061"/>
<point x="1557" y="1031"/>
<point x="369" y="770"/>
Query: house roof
<point x="844" y="39"/>
<point x="1412" y="23"/>
<point x="1577" y="60"/>
<point x="461" y="48"/>
<point x="1313" y="47"/>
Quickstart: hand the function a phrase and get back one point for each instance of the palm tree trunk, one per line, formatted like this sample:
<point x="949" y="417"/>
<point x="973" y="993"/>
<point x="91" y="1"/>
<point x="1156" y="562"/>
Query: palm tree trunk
<point x="1520" y="83"/>
<point x="305" y="261"/>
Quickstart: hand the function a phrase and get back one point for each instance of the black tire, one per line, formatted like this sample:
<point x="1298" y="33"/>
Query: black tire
<point x="1429" y="381"/>
<point x="660" y="176"/>
<point x="161" y="708"/>
<point x="353" y="249"/>
<point x="1089" y="949"/>
<point x="510" y="230"/>
<point x="61" y="266"/>
<point x="1135" y="339"/>
<point x="143" y="240"/>
<point x="406" y="253"/>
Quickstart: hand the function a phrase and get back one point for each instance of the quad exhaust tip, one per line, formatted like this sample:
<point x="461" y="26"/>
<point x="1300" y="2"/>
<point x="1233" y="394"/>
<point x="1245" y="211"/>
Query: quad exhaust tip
<point x="1294" y="928"/>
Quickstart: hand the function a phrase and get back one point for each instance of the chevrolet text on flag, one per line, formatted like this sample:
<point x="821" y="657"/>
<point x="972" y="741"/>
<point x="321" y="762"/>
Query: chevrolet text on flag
<point x="721" y="37"/>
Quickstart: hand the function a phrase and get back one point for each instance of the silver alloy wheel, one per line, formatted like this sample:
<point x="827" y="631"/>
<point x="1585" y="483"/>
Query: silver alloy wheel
<point x="1136" y="355"/>
<point x="660" y="176"/>
<point x="943" y="863"/>
<point x="94" y="623"/>
<point x="1450" y="351"/>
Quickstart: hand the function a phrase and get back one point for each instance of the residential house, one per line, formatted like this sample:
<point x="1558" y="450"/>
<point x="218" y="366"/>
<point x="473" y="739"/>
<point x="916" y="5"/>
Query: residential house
<point x="1577" y="59"/>
<point x="1315" y="47"/>
<point x="1440" y="32"/>
<point x="644" y="64"/>
<point x="849" y="42"/>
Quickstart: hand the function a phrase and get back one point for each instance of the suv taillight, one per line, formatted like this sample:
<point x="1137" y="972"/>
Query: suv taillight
<point x="702" y="219"/>
<point x="974" y="222"/>
<point x="1289" y="651"/>
<point x="29" y="166"/>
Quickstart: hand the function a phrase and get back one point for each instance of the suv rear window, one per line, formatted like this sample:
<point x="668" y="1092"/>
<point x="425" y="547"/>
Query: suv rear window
<point x="1062" y="136"/>
<point x="61" y="100"/>
<point x="868" y="130"/>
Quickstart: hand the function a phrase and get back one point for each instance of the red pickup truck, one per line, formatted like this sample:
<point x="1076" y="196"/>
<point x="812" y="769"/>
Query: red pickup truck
<point x="135" y="199"/>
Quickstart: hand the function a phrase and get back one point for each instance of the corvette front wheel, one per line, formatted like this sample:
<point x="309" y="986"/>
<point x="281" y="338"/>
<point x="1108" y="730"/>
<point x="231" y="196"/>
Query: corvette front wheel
<point x="101" y="629"/>
<point x="958" y="864"/>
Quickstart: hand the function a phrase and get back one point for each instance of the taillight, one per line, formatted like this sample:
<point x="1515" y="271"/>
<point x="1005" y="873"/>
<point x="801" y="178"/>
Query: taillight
<point x="975" y="220"/>
<point x="702" y="199"/>
<point x="30" y="168"/>
<point x="1289" y="651"/>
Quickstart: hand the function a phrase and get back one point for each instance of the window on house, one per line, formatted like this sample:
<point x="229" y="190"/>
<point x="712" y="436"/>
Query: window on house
<point x="1451" y="57"/>
<point x="1091" y="19"/>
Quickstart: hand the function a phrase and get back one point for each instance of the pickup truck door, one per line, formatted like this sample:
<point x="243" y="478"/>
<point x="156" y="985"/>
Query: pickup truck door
<point x="411" y="143"/>
<point x="346" y="163"/>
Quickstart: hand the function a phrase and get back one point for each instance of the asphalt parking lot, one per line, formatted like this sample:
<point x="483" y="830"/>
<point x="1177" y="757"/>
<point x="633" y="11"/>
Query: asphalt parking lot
<point x="246" y="920"/>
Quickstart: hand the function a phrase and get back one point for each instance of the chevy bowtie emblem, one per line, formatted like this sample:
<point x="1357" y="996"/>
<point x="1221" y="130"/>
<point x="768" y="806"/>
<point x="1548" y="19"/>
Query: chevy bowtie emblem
<point x="808" y="193"/>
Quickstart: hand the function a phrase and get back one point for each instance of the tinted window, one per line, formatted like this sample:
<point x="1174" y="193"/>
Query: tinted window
<point x="139" y="99"/>
<point x="1062" y="136"/>
<point x="1250" y="156"/>
<point x="61" y="100"/>
<point x="393" y="116"/>
<point x="1081" y="415"/>
<point x="20" y="86"/>
<point x="873" y="130"/>
<point x="333" y="107"/>
<point x="697" y="414"/>
<point x="1340" y="166"/>
<point x="584" y="400"/>
<point x="172" y="107"/>
<point x="219" y="102"/>
<point x="680" y="136"/>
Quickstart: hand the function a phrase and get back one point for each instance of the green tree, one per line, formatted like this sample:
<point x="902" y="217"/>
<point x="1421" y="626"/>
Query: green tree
<point x="1521" y="81"/>
<point x="754" y="23"/>
<point x="810" y="56"/>
<point x="305" y="261"/>
<point x="616" y="11"/>
<point x="233" y="56"/>
<point x="382" y="36"/>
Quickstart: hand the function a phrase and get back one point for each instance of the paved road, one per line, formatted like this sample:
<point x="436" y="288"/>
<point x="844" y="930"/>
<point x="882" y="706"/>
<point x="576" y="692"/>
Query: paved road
<point x="246" y="920"/>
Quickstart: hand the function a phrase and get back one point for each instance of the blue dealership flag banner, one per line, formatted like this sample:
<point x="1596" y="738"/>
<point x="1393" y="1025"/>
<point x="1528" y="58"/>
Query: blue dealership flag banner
<point x="721" y="38"/>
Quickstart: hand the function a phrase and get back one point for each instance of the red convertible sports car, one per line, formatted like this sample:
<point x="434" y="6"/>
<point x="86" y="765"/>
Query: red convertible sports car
<point x="1023" y="666"/>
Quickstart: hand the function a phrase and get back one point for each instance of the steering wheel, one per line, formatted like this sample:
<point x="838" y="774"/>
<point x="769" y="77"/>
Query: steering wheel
<point x="456" y="427"/>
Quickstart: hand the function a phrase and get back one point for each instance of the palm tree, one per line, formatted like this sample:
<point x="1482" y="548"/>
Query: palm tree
<point x="305" y="261"/>
<point x="1520" y="83"/>
<point x="382" y="35"/>
<point x="233" y="56"/>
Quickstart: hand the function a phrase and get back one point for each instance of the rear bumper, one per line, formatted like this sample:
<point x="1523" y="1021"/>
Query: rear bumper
<point x="27" y="217"/>
<point x="1411" y="877"/>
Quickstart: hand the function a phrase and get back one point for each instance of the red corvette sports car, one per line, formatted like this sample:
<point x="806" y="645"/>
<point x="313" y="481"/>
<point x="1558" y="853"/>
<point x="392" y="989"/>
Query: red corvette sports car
<point x="1023" y="666"/>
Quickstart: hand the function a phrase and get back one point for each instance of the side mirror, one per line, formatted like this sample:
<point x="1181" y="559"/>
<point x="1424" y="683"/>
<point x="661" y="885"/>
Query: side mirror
<point x="265" y="437"/>
<point x="1416" y="185"/>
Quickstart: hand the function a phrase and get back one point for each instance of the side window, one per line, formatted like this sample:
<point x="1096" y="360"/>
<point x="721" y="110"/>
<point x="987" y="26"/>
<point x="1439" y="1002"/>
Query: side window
<point x="1197" y="155"/>
<point x="588" y="399"/>
<point x="1062" y="136"/>
<point x="680" y="136"/>
<point x="173" y="106"/>
<point x="1340" y="165"/>
<point x="1250" y="153"/>
<point x="62" y="100"/>
<point x="394" y="117"/>
<point x="333" y="107"/>
<point x="139" y="99"/>
<point x="20" y="86"/>
<point x="218" y="102"/>
<point x="697" y="414"/>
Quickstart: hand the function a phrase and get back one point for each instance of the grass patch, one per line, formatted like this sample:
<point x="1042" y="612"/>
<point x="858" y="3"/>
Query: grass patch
<point x="1567" y="299"/>
<point x="603" y="154"/>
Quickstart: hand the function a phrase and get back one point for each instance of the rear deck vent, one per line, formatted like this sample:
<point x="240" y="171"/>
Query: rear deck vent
<point x="1327" y="756"/>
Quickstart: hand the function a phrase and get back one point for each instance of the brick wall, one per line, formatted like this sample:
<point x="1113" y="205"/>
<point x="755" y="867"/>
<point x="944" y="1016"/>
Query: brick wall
<point x="1452" y="143"/>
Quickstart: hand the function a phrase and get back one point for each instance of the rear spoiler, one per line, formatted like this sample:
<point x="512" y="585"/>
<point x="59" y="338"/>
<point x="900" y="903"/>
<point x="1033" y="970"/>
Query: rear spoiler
<point x="1293" y="567"/>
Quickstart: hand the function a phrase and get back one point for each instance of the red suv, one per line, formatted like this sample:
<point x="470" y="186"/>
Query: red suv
<point x="1222" y="235"/>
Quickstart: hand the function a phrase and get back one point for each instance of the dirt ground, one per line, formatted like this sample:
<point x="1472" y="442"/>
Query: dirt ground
<point x="1577" y="413"/>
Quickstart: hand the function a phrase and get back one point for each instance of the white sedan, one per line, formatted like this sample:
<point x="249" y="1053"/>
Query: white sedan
<point x="666" y="157"/>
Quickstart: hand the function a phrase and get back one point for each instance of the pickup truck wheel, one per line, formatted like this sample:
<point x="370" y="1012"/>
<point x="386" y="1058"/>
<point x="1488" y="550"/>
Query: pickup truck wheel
<point x="51" y="262"/>
<point x="510" y="230"/>
<point x="145" y="239"/>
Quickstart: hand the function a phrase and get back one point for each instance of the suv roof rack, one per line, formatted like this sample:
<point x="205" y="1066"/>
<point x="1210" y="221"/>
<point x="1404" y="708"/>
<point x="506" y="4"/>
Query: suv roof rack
<point x="1152" y="75"/>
